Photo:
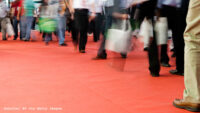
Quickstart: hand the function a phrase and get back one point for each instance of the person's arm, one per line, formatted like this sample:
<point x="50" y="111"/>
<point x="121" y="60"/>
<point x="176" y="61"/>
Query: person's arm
<point x="19" y="13"/>
<point x="136" y="2"/>
<point x="92" y="10"/>
<point x="116" y="11"/>
<point x="71" y="9"/>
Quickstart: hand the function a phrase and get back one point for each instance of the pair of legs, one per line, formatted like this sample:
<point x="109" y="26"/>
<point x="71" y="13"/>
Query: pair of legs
<point x="61" y="30"/>
<point x="80" y="27"/>
<point x="3" y="23"/>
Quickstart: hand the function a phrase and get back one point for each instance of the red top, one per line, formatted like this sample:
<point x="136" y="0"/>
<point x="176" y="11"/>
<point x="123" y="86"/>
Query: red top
<point x="16" y="5"/>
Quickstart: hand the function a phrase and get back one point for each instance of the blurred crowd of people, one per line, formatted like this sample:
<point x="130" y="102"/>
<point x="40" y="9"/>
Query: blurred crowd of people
<point x="150" y="19"/>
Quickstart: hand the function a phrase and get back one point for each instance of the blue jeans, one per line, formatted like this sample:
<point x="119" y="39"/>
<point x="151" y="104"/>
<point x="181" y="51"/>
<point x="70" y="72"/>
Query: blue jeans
<point x="29" y="23"/>
<point x="61" y="29"/>
<point x="22" y="27"/>
<point x="15" y="26"/>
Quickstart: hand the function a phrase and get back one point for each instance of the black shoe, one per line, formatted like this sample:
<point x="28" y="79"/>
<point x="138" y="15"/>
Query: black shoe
<point x="4" y="39"/>
<point x="100" y="57"/>
<point x="63" y="44"/>
<point x="124" y="55"/>
<point x="165" y="65"/>
<point x="82" y="51"/>
<point x="155" y="74"/>
<point x="146" y="49"/>
<point x="176" y="72"/>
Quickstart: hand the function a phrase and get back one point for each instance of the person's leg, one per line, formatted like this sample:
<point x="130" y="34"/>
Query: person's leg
<point x="191" y="96"/>
<point x="154" y="64"/>
<point x="22" y="27"/>
<point x="61" y="30"/>
<point x="15" y="26"/>
<point x="180" y="41"/>
<point x="29" y="23"/>
<point x="83" y="30"/>
<point x="3" y="28"/>
<point x="98" y="26"/>
<point x="164" y="59"/>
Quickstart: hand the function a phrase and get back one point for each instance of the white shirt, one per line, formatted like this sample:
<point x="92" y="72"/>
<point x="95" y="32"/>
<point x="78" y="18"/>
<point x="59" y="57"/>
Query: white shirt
<point x="3" y="9"/>
<point x="98" y="6"/>
<point x="82" y="4"/>
<point x="173" y="3"/>
<point x="108" y="3"/>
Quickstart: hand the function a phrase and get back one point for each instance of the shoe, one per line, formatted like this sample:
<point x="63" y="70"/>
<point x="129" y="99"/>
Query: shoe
<point x="124" y="55"/>
<point x="165" y="65"/>
<point x="25" y="40"/>
<point x="82" y="51"/>
<point x="178" y="103"/>
<point x="176" y="72"/>
<point x="4" y="39"/>
<point x="100" y="57"/>
<point x="63" y="44"/>
<point x="155" y="74"/>
<point x="14" y="38"/>
<point x="146" y="49"/>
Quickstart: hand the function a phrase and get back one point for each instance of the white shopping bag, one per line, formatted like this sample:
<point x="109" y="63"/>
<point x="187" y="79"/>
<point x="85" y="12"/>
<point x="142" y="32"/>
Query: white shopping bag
<point x="161" y="29"/>
<point x="9" y="28"/>
<point x="146" y="31"/>
<point x="119" y="40"/>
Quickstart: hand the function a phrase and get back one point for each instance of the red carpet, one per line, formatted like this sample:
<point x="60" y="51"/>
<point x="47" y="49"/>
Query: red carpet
<point x="34" y="75"/>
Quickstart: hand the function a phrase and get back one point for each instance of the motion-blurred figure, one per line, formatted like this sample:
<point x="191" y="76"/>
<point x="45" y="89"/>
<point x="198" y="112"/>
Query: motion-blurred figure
<point x="3" y="21"/>
<point x="29" y="12"/>
<point x="80" y="14"/>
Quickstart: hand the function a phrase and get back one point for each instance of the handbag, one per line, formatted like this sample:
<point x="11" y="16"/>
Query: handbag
<point x="161" y="29"/>
<point x="146" y="31"/>
<point x="47" y="25"/>
<point x="9" y="28"/>
<point x="119" y="40"/>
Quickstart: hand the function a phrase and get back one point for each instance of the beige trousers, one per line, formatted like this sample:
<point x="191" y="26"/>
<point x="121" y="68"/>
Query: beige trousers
<point x="192" y="53"/>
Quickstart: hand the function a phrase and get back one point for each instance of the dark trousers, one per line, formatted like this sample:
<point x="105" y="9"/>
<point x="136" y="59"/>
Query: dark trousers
<point x="177" y="23"/>
<point x="80" y="27"/>
<point x="15" y="26"/>
<point x="179" y="39"/>
<point x="107" y="22"/>
<point x="164" y="58"/>
<point x="154" y="64"/>
<point x="98" y="26"/>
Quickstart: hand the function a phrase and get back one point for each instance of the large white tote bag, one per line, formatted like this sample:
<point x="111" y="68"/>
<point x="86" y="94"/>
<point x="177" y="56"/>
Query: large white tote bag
<point x="119" y="40"/>
<point x="9" y="28"/>
<point x="161" y="29"/>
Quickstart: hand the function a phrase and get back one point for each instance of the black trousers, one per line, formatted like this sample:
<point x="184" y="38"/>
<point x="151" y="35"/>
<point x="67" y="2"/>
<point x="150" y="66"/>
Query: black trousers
<point x="98" y="26"/>
<point x="177" y="23"/>
<point x="164" y="58"/>
<point x="154" y="64"/>
<point x="80" y="27"/>
<point x="179" y="39"/>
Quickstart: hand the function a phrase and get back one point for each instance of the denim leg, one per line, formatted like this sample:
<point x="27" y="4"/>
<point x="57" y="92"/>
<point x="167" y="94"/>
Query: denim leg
<point x="22" y="27"/>
<point x="15" y="26"/>
<point x="29" y="22"/>
<point x="61" y="29"/>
